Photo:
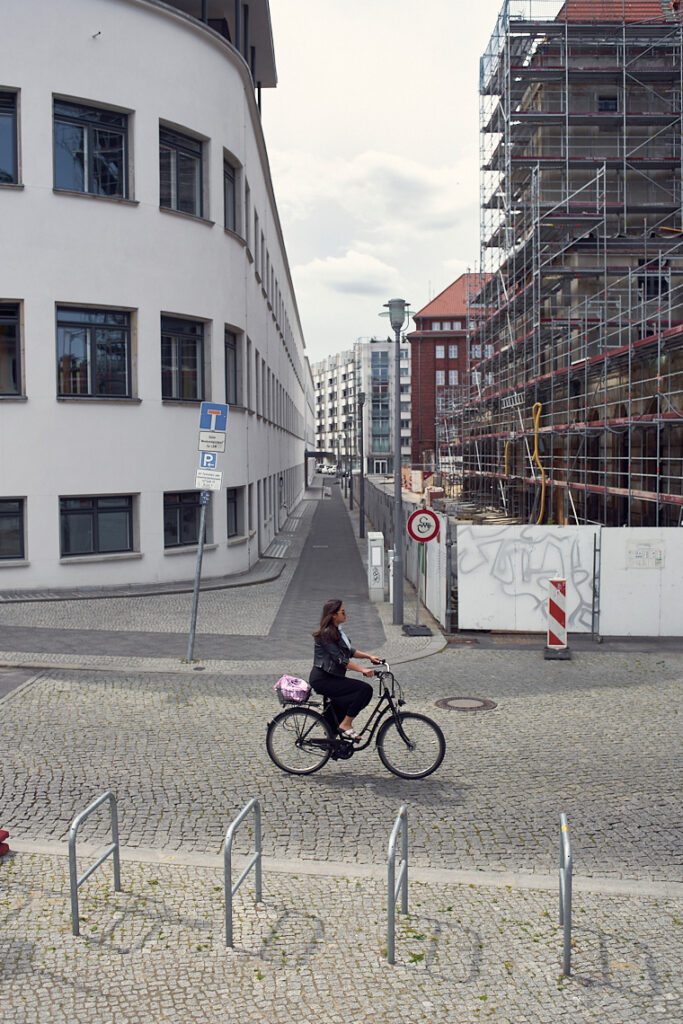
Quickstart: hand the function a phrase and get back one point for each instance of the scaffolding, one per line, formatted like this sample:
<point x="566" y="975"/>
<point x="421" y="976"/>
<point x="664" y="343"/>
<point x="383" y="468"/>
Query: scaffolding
<point x="575" y="409"/>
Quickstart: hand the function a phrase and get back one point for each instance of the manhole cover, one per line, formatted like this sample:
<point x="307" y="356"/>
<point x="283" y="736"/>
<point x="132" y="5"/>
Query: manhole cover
<point x="466" y="704"/>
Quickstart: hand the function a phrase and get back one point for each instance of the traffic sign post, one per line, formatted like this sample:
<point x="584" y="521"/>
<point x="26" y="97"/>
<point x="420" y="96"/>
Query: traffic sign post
<point x="422" y="526"/>
<point x="213" y="426"/>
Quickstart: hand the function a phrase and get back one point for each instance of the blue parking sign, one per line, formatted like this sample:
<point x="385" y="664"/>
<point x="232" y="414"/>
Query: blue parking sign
<point x="208" y="460"/>
<point x="213" y="416"/>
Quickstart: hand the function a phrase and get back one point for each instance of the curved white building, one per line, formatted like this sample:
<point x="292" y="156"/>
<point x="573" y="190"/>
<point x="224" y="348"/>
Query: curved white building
<point x="142" y="271"/>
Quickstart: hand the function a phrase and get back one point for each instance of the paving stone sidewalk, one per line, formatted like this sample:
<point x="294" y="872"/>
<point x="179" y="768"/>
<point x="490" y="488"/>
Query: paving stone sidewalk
<point x="314" y="951"/>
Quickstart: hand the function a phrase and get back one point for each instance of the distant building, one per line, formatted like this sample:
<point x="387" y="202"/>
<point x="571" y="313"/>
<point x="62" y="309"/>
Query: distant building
<point x="440" y="367"/>
<point x="338" y="380"/>
<point x="143" y="271"/>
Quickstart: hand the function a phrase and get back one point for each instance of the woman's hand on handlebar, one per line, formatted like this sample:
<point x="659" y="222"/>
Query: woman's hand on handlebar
<point x="368" y="671"/>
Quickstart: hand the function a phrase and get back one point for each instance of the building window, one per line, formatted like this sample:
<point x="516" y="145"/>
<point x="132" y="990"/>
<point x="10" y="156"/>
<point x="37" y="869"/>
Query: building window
<point x="607" y="104"/>
<point x="10" y="349"/>
<point x="488" y="351"/>
<point x="96" y="526"/>
<point x="93" y="352"/>
<point x="475" y="351"/>
<point x="182" y="359"/>
<point x="8" y="138"/>
<point x="180" y="172"/>
<point x="235" y="500"/>
<point x="233" y="369"/>
<point x="90" y="150"/>
<point x="440" y="378"/>
<point x="230" y="179"/>
<point x="440" y="352"/>
<point x="452" y="351"/>
<point x="12" y="528"/>
<point x="436" y="325"/>
<point x="452" y="377"/>
<point x="181" y="519"/>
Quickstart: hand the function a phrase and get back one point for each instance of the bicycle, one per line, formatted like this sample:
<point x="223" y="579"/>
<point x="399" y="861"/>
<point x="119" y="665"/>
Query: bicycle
<point x="300" y="740"/>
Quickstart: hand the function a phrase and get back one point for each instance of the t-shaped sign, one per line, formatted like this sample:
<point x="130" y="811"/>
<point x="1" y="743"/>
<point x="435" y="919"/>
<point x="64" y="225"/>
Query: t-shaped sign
<point x="213" y="416"/>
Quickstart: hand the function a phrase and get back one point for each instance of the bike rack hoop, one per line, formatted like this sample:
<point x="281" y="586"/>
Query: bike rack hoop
<point x="111" y="851"/>
<point x="566" y="868"/>
<point x="255" y="862"/>
<point x="395" y="887"/>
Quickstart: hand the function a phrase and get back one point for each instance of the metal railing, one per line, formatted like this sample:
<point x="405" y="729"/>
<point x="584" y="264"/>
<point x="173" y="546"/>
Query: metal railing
<point x="112" y="851"/>
<point x="566" y="893"/>
<point x="255" y="862"/>
<point x="393" y="886"/>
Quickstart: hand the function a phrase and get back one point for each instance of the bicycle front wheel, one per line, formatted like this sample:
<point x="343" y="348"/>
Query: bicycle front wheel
<point x="299" y="741"/>
<point x="417" y="758"/>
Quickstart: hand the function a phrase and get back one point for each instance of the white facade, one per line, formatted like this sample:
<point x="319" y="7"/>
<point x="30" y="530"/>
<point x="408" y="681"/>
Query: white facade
<point x="370" y="368"/>
<point x="64" y="250"/>
<point x="334" y="384"/>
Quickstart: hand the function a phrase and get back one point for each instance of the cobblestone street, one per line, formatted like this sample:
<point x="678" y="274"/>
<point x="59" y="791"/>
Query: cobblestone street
<point x="597" y="737"/>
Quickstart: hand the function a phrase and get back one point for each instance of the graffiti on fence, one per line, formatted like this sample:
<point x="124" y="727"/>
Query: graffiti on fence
<point x="503" y="574"/>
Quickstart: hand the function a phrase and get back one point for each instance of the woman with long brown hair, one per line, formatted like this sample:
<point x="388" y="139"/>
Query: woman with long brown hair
<point x="332" y="658"/>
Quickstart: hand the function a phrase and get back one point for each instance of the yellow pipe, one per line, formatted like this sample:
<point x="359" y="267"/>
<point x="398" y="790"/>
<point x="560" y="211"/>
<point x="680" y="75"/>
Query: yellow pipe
<point x="536" y="413"/>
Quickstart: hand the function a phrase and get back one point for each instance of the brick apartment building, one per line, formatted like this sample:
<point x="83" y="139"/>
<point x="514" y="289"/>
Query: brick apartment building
<point x="439" y="364"/>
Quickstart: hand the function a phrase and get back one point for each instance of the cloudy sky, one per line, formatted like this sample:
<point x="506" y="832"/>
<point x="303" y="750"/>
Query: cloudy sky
<point x="372" y="134"/>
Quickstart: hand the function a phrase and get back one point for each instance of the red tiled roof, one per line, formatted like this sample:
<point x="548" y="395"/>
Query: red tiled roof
<point x="618" y="10"/>
<point x="452" y="301"/>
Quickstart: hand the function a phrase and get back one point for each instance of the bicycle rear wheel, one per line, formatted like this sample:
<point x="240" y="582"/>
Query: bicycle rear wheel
<point x="423" y="753"/>
<point x="299" y="741"/>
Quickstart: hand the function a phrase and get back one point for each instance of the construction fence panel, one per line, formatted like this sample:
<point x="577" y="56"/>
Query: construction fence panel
<point x="641" y="589"/>
<point x="503" y="574"/>
<point x="433" y="586"/>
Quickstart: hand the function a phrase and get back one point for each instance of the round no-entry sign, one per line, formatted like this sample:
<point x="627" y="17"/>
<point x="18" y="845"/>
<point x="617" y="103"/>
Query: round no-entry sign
<point x="423" y="525"/>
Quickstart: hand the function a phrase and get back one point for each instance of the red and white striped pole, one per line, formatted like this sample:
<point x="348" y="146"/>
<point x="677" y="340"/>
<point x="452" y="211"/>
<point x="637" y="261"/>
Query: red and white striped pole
<point x="557" y="619"/>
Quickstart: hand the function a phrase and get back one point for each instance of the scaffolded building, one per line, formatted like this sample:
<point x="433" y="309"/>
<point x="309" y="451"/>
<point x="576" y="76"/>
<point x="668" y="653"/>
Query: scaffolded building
<point x="576" y="411"/>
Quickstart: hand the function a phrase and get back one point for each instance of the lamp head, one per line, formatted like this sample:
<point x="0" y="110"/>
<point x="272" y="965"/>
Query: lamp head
<point x="397" y="312"/>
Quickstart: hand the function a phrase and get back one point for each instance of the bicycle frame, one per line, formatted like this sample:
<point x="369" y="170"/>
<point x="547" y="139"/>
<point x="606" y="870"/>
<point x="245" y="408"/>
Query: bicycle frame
<point x="387" y="698"/>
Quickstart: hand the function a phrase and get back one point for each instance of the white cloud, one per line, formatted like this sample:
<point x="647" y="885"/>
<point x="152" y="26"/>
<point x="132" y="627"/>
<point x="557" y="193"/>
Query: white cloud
<point x="354" y="273"/>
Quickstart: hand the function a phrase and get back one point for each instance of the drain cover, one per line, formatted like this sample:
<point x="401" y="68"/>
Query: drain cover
<point x="466" y="704"/>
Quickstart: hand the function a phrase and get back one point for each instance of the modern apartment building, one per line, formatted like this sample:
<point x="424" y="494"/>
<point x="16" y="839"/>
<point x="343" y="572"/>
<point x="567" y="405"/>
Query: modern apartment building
<point x="368" y="368"/>
<point x="577" y="413"/>
<point x="143" y="271"/>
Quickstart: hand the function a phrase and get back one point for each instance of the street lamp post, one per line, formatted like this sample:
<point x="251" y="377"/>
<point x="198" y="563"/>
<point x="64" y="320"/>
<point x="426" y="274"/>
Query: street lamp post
<point x="361" y="480"/>
<point x="397" y="317"/>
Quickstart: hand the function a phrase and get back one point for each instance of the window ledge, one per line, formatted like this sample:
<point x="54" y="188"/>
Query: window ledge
<point x="94" y="195"/>
<point x="252" y="533"/>
<point x="12" y="184"/>
<point x="258" y="276"/>
<point x="115" y="556"/>
<point x="187" y="216"/>
<point x="236" y="235"/>
<point x="235" y="541"/>
<point x="249" y="253"/>
<point x="115" y="399"/>
<point x="13" y="398"/>
<point x="14" y="563"/>
<point x="188" y="549"/>
<point x="237" y="407"/>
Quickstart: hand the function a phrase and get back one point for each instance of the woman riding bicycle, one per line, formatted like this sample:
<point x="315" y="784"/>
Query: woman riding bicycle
<point x="332" y="657"/>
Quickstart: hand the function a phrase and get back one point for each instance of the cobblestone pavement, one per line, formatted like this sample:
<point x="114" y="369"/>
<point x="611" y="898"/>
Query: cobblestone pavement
<point x="315" y="951"/>
<point x="183" y="748"/>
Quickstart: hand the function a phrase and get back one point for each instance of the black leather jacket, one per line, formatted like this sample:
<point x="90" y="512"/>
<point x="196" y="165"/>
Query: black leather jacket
<point x="332" y="656"/>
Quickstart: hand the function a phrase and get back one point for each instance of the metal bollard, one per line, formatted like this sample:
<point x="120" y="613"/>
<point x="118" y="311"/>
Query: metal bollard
<point x="566" y="893"/>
